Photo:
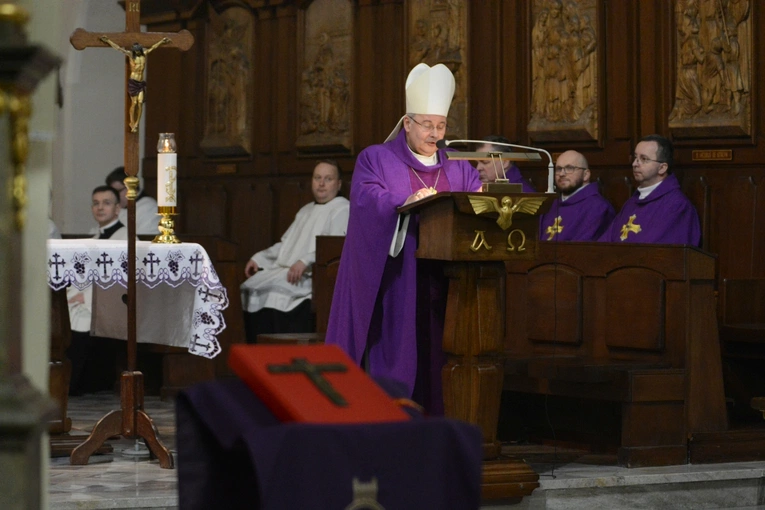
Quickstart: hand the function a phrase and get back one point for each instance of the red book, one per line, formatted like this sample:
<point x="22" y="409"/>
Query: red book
<point x="312" y="383"/>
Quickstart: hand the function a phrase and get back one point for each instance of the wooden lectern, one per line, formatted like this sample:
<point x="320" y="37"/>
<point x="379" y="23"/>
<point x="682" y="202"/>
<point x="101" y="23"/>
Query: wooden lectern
<point x="474" y="233"/>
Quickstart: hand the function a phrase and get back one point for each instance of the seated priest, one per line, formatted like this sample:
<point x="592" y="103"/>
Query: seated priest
<point x="146" y="216"/>
<point x="93" y="358"/>
<point x="658" y="212"/>
<point x="388" y="307"/>
<point x="580" y="213"/>
<point x="492" y="169"/>
<point x="276" y="296"/>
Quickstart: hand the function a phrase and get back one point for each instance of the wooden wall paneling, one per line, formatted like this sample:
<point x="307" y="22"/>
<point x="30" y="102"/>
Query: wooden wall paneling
<point x="368" y="110"/>
<point x="515" y="86"/>
<point x="620" y="70"/>
<point x="253" y="206"/>
<point x="263" y="110"/>
<point x="285" y="76"/>
<point x="758" y="228"/>
<point x="490" y="111"/>
<point x="381" y="71"/>
<point x="736" y="221"/>
<point x="192" y="94"/>
<point x="650" y="65"/>
<point x="204" y="204"/>
<point x="163" y="69"/>
<point x="696" y="187"/>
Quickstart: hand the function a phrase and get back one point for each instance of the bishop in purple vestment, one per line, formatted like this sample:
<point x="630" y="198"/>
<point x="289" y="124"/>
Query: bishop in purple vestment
<point x="580" y="213"/>
<point x="658" y="212"/>
<point x="388" y="307"/>
<point x="490" y="170"/>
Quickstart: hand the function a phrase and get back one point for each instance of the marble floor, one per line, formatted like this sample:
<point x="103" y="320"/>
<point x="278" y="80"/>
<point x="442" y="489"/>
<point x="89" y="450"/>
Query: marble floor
<point x="568" y="480"/>
<point x="116" y="480"/>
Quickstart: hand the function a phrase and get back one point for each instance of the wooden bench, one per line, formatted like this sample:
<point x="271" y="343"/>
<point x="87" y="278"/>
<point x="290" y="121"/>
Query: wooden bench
<point x="615" y="345"/>
<point x="742" y="338"/>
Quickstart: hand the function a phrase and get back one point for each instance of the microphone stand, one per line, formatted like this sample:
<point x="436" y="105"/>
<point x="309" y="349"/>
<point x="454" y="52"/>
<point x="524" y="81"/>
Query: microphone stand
<point x="441" y="144"/>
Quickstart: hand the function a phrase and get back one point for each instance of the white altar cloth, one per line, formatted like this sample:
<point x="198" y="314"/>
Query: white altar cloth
<point x="84" y="262"/>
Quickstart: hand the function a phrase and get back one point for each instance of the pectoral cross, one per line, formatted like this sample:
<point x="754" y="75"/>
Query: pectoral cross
<point x="629" y="227"/>
<point x="555" y="228"/>
<point x="130" y="421"/>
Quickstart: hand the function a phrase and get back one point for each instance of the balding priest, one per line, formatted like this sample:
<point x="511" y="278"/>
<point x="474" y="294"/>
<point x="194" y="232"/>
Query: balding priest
<point x="388" y="307"/>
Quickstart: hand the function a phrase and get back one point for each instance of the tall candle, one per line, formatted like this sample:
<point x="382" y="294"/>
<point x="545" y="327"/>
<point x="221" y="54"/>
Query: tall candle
<point x="167" y="174"/>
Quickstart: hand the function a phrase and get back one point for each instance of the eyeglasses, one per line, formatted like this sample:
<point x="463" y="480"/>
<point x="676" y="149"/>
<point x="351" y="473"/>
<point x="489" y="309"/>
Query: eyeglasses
<point x="568" y="169"/>
<point x="642" y="160"/>
<point x="428" y="126"/>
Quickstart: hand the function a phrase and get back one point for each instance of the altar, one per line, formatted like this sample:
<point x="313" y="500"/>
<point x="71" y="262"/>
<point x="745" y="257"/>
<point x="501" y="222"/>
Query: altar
<point x="180" y="297"/>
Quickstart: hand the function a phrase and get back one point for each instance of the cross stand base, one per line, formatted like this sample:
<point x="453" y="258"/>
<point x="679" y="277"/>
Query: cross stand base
<point x="130" y="422"/>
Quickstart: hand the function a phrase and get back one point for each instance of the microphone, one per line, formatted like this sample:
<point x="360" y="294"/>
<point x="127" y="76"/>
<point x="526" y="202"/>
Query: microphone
<point x="442" y="144"/>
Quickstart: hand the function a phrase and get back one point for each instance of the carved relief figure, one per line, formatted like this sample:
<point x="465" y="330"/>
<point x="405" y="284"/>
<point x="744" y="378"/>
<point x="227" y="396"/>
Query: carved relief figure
<point x="437" y="35"/>
<point x="228" y="73"/>
<point x="714" y="68"/>
<point x="325" y="92"/>
<point x="564" y="69"/>
<point x="325" y="105"/>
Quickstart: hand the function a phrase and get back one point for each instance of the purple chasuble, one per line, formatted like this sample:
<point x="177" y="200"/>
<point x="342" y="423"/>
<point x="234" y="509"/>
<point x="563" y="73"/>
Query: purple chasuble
<point x="513" y="174"/>
<point x="382" y="303"/>
<point x="666" y="216"/>
<point x="583" y="217"/>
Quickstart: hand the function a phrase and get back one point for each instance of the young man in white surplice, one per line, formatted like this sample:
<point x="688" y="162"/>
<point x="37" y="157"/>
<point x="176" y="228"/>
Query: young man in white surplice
<point x="276" y="297"/>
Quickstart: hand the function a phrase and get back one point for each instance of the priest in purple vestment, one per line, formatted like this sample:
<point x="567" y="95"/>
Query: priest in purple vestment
<point x="658" y="212"/>
<point x="490" y="170"/>
<point x="388" y="307"/>
<point x="580" y="213"/>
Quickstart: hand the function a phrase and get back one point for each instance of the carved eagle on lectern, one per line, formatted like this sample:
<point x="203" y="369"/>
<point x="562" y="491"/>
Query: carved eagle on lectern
<point x="488" y="205"/>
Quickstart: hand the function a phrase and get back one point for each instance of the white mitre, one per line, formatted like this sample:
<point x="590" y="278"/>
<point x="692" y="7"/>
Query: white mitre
<point x="429" y="91"/>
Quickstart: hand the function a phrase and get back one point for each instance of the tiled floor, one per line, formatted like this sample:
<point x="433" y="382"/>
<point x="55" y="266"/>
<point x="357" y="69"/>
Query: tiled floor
<point x="118" y="480"/>
<point x="115" y="480"/>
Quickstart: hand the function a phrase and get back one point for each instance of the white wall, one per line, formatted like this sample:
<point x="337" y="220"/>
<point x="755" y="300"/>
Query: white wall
<point x="90" y="126"/>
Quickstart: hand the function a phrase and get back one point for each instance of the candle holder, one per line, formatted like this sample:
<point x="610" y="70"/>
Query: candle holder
<point x="167" y="180"/>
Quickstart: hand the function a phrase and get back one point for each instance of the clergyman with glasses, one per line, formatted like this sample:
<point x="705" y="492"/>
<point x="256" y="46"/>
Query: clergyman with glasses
<point x="388" y="307"/>
<point x="658" y="212"/>
<point x="580" y="213"/>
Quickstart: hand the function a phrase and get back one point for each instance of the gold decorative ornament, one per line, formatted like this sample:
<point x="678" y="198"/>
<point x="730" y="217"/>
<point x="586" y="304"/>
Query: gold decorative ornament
<point x="20" y="109"/>
<point x="490" y="205"/>
<point x="14" y="14"/>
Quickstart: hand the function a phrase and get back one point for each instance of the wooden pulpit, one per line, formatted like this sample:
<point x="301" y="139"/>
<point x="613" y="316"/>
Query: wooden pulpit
<point x="474" y="233"/>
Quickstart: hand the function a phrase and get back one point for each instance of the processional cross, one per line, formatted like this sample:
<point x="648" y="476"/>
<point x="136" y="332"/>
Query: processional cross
<point x="131" y="421"/>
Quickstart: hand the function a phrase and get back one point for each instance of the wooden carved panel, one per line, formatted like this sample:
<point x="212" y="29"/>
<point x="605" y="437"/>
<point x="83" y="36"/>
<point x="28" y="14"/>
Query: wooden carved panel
<point x="554" y="304"/>
<point x="325" y="65"/>
<point x="714" y="69"/>
<point x="229" y="69"/>
<point x="635" y="324"/>
<point x="564" y="70"/>
<point x="438" y="35"/>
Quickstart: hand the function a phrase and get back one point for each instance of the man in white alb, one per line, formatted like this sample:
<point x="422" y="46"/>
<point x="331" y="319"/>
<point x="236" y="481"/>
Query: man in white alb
<point x="276" y="297"/>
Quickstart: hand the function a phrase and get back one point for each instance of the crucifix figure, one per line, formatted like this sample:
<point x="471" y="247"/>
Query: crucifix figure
<point x="136" y="84"/>
<point x="130" y="421"/>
